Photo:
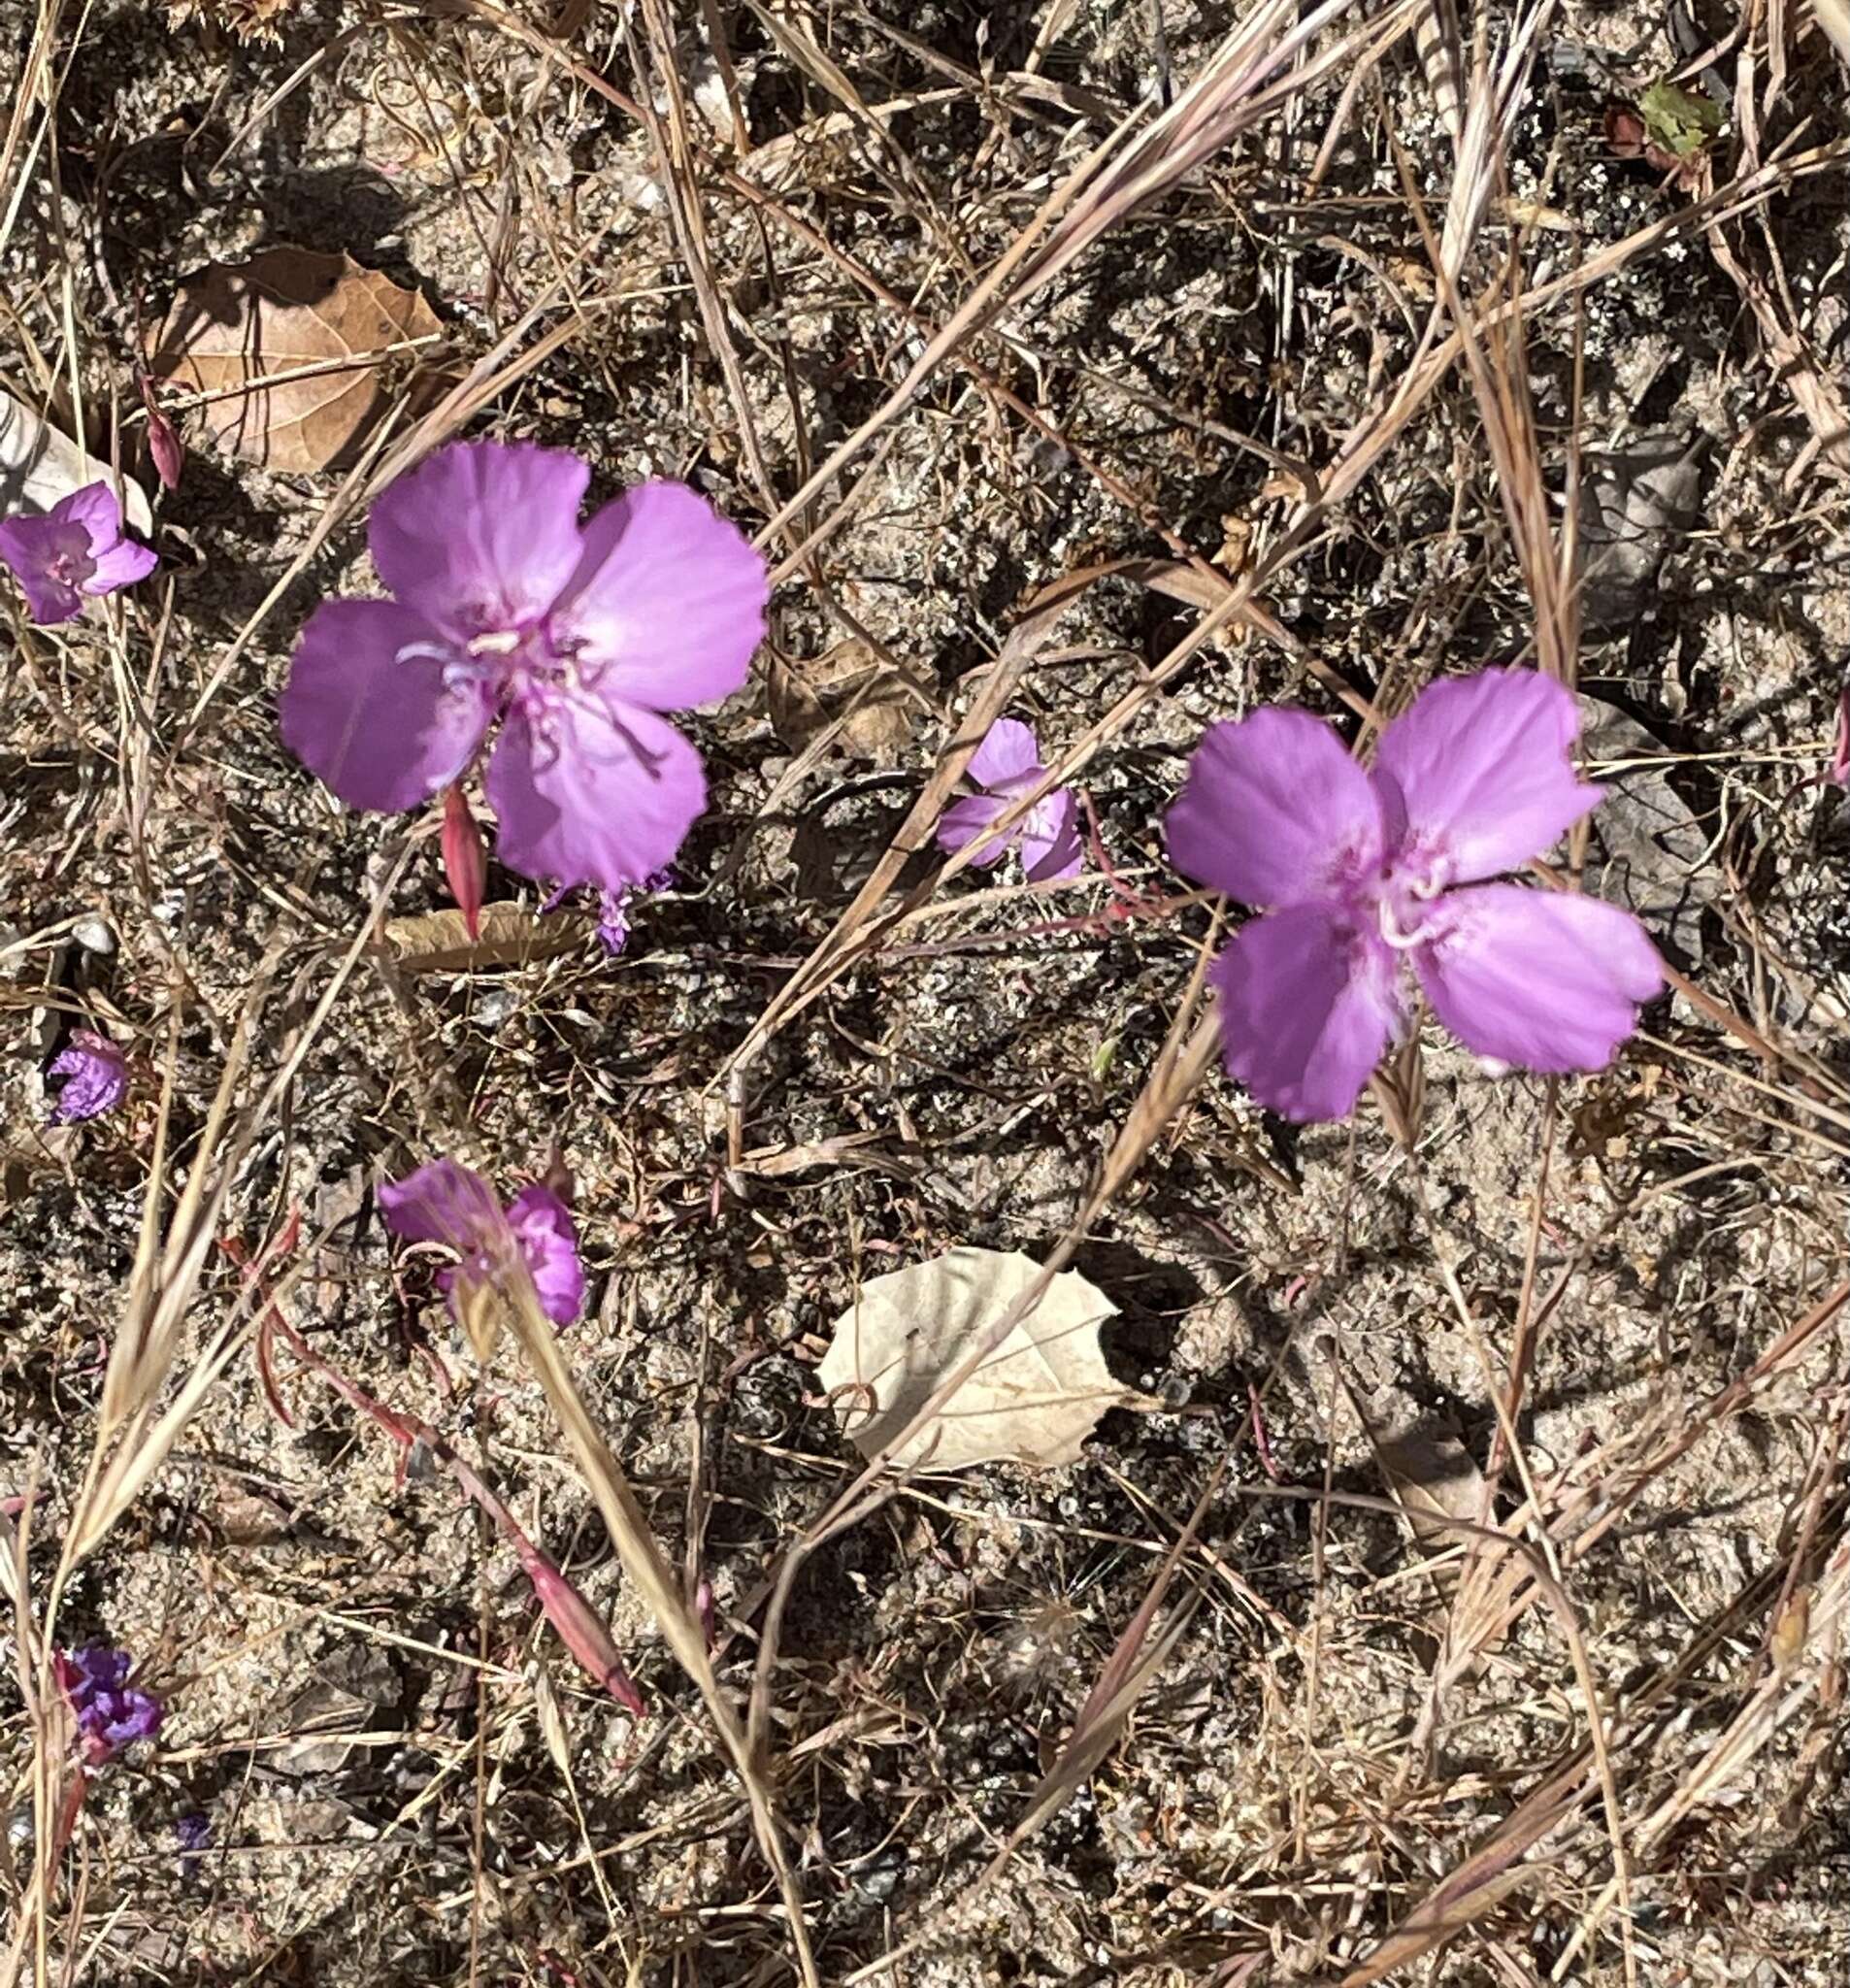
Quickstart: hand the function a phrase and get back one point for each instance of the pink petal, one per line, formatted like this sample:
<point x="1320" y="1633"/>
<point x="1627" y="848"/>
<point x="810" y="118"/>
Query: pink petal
<point x="1308" y="1001"/>
<point x="1009" y="752"/>
<point x="30" y="546"/>
<point x="1051" y="848"/>
<point x="366" y="706"/>
<point x="481" y="535"/>
<point x="604" y="796"/>
<point x="1274" y="812"/>
<point x="1481" y="765"/>
<point x="963" y="821"/>
<point x="95" y="509"/>
<point x="670" y="595"/>
<point x="1538" y="977"/>
<point x="442" y="1202"/>
<point x="121" y="564"/>
<point x="549" y="1240"/>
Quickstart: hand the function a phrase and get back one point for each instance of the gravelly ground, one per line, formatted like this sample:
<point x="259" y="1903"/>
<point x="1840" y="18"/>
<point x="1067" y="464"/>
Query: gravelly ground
<point x="1338" y="1729"/>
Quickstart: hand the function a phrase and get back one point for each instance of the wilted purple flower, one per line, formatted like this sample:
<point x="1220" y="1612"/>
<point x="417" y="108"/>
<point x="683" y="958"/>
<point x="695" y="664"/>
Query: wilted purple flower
<point x="577" y="637"/>
<point x="446" y="1202"/>
<point x="95" y="1073"/>
<point x="1006" y="766"/>
<point x="194" y="1830"/>
<point x="76" y="548"/>
<point x="110" y="1712"/>
<point x="1357" y="872"/>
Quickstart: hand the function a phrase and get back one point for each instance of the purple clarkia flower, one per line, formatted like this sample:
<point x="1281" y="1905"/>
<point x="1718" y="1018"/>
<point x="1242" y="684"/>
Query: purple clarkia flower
<point x="1006" y="766"/>
<point x="1358" y="875"/>
<point x="446" y="1202"/>
<point x="110" y="1712"/>
<point x="577" y="637"/>
<point x="76" y="548"/>
<point x="95" y="1073"/>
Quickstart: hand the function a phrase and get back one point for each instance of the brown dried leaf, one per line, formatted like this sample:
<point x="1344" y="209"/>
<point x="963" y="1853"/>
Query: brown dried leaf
<point x="1437" y="1482"/>
<point x="1645" y="849"/>
<point x="511" y="935"/>
<point x="298" y="345"/>
<point x="849" y="682"/>
<point x="1034" y="1400"/>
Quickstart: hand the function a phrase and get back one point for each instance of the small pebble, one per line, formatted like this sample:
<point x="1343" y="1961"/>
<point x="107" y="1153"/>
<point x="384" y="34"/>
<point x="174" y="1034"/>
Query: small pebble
<point x="95" y="934"/>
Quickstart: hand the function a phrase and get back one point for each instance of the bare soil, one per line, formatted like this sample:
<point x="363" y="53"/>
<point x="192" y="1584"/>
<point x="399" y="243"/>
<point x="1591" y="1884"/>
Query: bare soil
<point x="1527" y="1396"/>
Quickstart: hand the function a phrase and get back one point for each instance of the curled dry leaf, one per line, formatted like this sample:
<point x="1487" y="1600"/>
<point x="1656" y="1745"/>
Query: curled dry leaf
<point x="1034" y="1400"/>
<point x="1637" y="504"/>
<point x="507" y="935"/>
<point x="878" y="718"/>
<point x="302" y="352"/>
<point x="1645" y="849"/>
<point x="39" y="467"/>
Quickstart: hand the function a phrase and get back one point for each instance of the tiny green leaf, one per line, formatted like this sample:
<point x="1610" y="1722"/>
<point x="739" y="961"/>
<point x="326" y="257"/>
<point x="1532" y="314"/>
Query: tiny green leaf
<point x="1679" y="121"/>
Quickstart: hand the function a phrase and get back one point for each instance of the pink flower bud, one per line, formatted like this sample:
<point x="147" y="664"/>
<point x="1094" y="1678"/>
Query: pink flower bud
<point x="465" y="862"/>
<point x="163" y="439"/>
<point x="581" y="1628"/>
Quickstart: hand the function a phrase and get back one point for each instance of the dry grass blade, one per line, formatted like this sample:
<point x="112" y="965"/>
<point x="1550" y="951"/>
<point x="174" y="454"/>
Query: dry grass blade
<point x="649" y="1573"/>
<point x="1496" y="101"/>
<point x="1436" y="40"/>
<point x="1247" y="77"/>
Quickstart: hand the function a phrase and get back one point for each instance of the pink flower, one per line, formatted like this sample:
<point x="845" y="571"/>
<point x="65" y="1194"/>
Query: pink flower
<point x="446" y="1202"/>
<point x="1006" y="766"/>
<point x="575" y="636"/>
<point x="76" y="548"/>
<point x="1358" y="874"/>
<point x="95" y="1073"/>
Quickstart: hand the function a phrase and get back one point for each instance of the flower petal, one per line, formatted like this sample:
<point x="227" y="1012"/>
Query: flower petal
<point x="1274" y="812"/>
<point x="442" y="1202"/>
<point x="481" y="535"/>
<point x="605" y="795"/>
<point x="963" y="821"/>
<point x="1009" y="752"/>
<point x="1308" y="1001"/>
<point x="31" y="547"/>
<point x="1538" y="977"/>
<point x="1051" y="848"/>
<point x="96" y="1072"/>
<point x="121" y="564"/>
<point x="549" y="1240"/>
<point x="670" y="595"/>
<point x="95" y="509"/>
<point x="1481" y="765"/>
<point x="366" y="706"/>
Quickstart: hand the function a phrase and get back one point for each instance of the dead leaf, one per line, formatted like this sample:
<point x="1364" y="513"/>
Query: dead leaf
<point x="297" y="345"/>
<point x="849" y="682"/>
<point x="1437" y="1482"/>
<point x="511" y="935"/>
<point x="1636" y="504"/>
<point x="1644" y="848"/>
<point x="39" y="467"/>
<point x="1036" y="1399"/>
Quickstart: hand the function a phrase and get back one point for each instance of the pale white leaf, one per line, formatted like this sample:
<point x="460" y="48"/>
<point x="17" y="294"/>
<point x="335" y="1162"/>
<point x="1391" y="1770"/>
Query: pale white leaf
<point x="1034" y="1400"/>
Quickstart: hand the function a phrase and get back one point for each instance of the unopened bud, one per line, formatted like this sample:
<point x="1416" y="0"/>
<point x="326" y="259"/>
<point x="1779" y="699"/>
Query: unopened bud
<point x="163" y="439"/>
<point x="465" y="861"/>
